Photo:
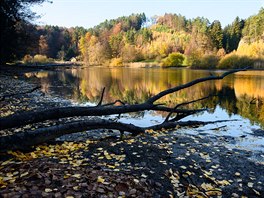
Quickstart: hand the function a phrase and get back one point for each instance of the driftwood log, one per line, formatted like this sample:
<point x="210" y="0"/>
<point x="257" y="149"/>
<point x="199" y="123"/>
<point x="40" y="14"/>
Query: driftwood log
<point x="25" y="139"/>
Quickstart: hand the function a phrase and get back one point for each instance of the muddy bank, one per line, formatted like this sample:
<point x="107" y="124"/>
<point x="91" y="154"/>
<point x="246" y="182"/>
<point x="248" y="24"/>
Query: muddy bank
<point x="100" y="164"/>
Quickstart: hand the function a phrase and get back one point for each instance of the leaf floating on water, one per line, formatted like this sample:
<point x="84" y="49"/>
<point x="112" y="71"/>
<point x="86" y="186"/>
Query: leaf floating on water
<point x="250" y="184"/>
<point x="237" y="174"/>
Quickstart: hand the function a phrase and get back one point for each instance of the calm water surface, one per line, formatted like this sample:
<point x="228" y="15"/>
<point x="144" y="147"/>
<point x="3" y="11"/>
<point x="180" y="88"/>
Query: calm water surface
<point x="240" y="96"/>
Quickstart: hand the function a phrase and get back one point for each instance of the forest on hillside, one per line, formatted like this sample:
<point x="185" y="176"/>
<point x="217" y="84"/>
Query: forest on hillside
<point x="168" y="40"/>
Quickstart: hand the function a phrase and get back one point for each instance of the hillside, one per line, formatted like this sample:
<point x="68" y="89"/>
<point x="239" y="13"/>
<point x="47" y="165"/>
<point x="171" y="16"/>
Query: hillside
<point x="168" y="40"/>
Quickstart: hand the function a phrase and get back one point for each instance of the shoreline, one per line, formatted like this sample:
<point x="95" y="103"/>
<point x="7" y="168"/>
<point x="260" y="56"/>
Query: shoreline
<point x="82" y="65"/>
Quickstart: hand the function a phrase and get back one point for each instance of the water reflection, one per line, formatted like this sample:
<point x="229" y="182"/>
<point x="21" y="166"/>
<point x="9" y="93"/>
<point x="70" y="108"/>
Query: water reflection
<point x="242" y="93"/>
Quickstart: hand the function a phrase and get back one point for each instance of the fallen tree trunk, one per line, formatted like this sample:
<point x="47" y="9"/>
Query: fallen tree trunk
<point x="24" y="140"/>
<point x="29" y="138"/>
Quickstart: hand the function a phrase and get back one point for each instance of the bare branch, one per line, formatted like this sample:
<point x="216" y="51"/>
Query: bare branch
<point x="183" y="115"/>
<point x="189" y="84"/>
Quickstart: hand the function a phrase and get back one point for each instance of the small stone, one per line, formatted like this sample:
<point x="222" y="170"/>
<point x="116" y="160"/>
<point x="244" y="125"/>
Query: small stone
<point x="132" y="191"/>
<point x="235" y="195"/>
<point x="58" y="194"/>
<point x="100" y="190"/>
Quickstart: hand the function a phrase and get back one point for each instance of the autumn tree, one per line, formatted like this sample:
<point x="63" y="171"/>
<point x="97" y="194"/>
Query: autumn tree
<point x="115" y="42"/>
<point x="173" y="21"/>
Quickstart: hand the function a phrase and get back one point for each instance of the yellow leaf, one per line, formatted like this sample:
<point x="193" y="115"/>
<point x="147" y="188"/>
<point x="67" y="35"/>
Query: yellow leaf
<point x="214" y="193"/>
<point x="110" y="166"/>
<point x="188" y="173"/>
<point x="33" y="155"/>
<point x="24" y="174"/>
<point x="223" y="182"/>
<point x="6" y="162"/>
<point x="100" y="179"/>
<point x="2" y="183"/>
<point x="207" y="186"/>
<point x="77" y="176"/>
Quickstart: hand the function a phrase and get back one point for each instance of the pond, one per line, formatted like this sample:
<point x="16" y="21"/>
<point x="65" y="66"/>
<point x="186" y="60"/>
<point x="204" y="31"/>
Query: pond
<point x="239" y="96"/>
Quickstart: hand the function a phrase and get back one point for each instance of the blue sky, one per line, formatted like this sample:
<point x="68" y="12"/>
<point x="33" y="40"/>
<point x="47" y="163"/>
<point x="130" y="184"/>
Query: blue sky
<point x="88" y="13"/>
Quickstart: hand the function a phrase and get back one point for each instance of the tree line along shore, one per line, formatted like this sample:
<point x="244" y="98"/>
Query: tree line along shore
<point x="168" y="40"/>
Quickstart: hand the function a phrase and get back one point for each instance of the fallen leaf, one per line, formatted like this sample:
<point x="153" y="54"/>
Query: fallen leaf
<point x="48" y="190"/>
<point x="100" y="179"/>
<point x="24" y="174"/>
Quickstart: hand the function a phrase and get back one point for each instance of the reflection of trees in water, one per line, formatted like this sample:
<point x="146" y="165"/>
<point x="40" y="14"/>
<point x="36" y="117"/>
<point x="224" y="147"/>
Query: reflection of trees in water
<point x="254" y="111"/>
<point x="243" y="105"/>
<point x="228" y="100"/>
<point x="62" y="83"/>
<point x="135" y="86"/>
